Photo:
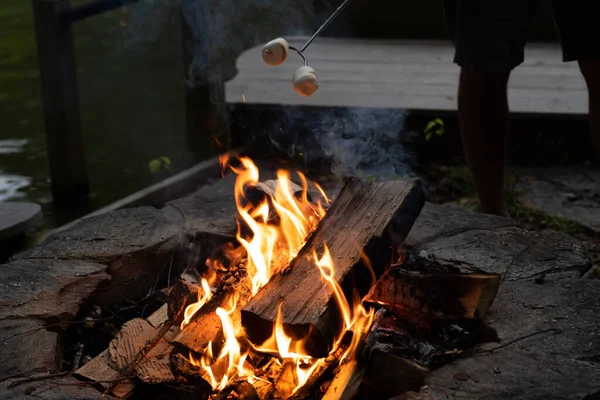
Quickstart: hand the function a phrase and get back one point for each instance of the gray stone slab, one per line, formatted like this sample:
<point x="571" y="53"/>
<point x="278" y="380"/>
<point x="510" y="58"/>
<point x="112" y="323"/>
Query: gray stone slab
<point x="27" y="348"/>
<point x="478" y="242"/>
<point x="61" y="388"/>
<point x="18" y="217"/>
<point x="48" y="289"/>
<point x="549" y="365"/>
<point x="136" y="244"/>
<point x="571" y="192"/>
<point x="210" y="209"/>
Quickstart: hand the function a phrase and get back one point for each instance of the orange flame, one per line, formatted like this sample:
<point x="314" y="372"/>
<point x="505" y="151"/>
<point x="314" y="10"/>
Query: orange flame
<point x="202" y="300"/>
<point x="270" y="247"/>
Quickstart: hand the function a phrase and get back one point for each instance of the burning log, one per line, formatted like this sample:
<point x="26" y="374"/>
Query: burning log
<point x="437" y="292"/>
<point x="287" y="380"/>
<point x="325" y="366"/>
<point x="369" y="216"/>
<point x="242" y="389"/>
<point x="205" y="327"/>
<point x="346" y="381"/>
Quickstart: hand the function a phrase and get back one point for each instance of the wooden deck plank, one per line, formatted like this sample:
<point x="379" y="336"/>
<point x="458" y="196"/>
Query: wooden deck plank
<point x="404" y="74"/>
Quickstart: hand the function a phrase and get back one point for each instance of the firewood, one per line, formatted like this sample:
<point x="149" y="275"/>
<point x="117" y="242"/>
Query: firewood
<point x="346" y="381"/>
<point x="442" y="294"/>
<point x="366" y="216"/>
<point x="156" y="366"/>
<point x="184" y="292"/>
<point x="327" y="365"/>
<point x="205" y="326"/>
<point x="287" y="380"/>
<point x="386" y="371"/>
<point x="99" y="369"/>
<point x="264" y="389"/>
<point x="130" y="340"/>
<point x="391" y="374"/>
<point x="242" y="389"/>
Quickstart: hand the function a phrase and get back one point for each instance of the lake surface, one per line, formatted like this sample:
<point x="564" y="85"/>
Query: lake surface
<point x="130" y="75"/>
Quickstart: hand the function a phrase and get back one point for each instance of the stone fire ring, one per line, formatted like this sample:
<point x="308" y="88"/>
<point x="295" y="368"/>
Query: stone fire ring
<point x="544" y="305"/>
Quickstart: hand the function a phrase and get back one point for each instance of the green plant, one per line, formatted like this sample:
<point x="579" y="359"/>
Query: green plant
<point x="434" y="127"/>
<point x="159" y="164"/>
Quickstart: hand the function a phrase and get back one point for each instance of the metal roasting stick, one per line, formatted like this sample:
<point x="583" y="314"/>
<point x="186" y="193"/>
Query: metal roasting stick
<point x="324" y="26"/>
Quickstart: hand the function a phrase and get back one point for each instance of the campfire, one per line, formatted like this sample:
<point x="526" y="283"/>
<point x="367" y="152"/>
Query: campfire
<point x="289" y="309"/>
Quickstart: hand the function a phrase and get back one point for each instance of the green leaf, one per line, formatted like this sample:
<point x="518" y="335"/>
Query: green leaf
<point x="165" y="160"/>
<point x="436" y="127"/>
<point x="430" y="125"/>
<point x="155" y="165"/>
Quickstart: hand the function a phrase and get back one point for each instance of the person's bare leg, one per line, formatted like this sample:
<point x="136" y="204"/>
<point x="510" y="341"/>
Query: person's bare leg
<point x="591" y="73"/>
<point x="484" y="122"/>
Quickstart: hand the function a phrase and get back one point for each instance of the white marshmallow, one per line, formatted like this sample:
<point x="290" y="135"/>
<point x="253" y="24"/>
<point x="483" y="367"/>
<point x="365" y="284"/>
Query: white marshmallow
<point x="305" y="81"/>
<point x="275" y="52"/>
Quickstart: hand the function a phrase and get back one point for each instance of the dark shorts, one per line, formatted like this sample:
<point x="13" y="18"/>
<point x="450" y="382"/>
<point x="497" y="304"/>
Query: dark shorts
<point x="490" y="35"/>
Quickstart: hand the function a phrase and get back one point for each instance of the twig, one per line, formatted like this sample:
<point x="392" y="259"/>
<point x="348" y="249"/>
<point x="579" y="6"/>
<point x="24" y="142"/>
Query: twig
<point x="557" y="330"/>
<point x="37" y="378"/>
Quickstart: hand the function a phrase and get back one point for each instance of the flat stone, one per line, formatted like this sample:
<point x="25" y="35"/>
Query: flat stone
<point x="18" y="217"/>
<point x="478" y="242"/>
<point x="60" y="388"/>
<point x="27" y="348"/>
<point x="136" y="244"/>
<point x="571" y="192"/>
<point x="209" y="210"/>
<point x="48" y="289"/>
<point x="546" y="365"/>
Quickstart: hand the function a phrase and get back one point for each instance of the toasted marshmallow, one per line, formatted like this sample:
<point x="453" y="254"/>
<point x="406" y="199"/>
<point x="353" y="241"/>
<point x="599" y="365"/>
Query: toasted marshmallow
<point x="275" y="52"/>
<point x="305" y="81"/>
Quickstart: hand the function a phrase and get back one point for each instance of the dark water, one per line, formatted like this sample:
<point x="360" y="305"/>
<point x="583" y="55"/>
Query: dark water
<point x="130" y="74"/>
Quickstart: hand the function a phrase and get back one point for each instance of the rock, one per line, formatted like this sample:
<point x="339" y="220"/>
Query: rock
<point x="47" y="289"/>
<point x="27" y="348"/>
<point x="136" y="244"/>
<point x="60" y="388"/>
<point x="478" y="242"/>
<point x="572" y="192"/>
<point x="210" y="210"/>
<point x="18" y="217"/>
<point x="548" y="365"/>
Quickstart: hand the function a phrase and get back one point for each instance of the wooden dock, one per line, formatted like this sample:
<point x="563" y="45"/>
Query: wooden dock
<point x="416" y="75"/>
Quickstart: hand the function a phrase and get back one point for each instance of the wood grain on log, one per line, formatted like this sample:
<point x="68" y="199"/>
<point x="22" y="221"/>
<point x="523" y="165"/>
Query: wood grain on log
<point x="436" y="293"/>
<point x="369" y="216"/>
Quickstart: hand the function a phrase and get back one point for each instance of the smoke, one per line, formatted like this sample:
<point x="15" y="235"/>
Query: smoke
<point x="223" y="29"/>
<point x="364" y="143"/>
<point x="357" y="142"/>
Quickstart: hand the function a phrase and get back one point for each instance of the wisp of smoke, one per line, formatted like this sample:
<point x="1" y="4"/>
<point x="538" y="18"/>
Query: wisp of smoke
<point x="364" y="143"/>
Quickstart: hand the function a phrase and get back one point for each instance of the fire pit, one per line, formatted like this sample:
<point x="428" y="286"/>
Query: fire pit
<point x="269" y="316"/>
<point x="302" y="296"/>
